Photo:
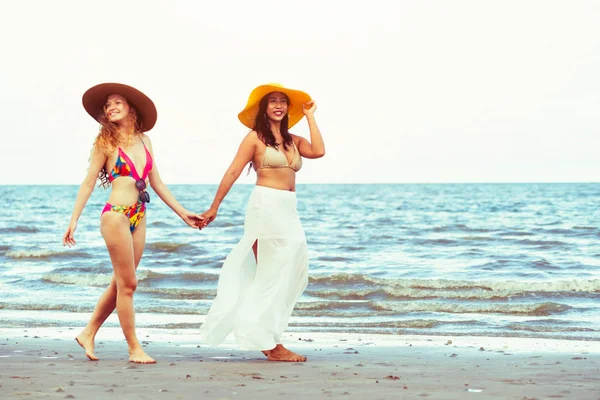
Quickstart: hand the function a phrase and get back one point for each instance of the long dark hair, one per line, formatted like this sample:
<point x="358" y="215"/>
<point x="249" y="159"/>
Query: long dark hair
<point x="262" y="128"/>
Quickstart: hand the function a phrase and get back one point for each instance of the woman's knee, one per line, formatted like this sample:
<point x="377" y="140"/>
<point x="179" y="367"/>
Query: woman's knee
<point x="127" y="286"/>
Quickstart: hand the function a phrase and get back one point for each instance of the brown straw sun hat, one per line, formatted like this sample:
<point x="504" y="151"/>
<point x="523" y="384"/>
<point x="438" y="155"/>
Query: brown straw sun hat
<point x="95" y="97"/>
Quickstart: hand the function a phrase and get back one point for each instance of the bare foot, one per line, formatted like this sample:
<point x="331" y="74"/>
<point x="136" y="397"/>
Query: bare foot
<point x="280" y="353"/>
<point x="139" y="356"/>
<point x="87" y="342"/>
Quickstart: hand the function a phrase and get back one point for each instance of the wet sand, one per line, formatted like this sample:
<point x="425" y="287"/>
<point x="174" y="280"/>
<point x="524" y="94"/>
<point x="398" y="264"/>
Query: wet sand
<point x="47" y="362"/>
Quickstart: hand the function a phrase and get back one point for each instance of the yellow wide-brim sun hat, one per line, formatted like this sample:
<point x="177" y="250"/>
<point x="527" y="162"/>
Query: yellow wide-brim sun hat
<point x="297" y="100"/>
<point x="95" y="97"/>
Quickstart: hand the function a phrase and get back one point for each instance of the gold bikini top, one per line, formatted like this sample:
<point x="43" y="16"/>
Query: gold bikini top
<point x="274" y="158"/>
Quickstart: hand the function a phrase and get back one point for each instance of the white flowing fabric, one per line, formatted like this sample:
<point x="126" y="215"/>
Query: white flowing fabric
<point x="255" y="299"/>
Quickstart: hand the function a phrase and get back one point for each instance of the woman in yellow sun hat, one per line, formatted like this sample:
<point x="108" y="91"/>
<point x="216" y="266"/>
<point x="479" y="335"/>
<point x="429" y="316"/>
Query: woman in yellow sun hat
<point x="267" y="270"/>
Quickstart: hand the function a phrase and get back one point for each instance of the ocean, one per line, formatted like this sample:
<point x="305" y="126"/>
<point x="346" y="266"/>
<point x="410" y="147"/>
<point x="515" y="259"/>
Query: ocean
<point x="518" y="260"/>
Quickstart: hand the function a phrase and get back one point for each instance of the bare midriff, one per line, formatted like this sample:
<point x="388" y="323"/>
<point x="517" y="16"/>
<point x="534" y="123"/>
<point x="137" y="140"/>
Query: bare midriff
<point x="283" y="178"/>
<point x="124" y="192"/>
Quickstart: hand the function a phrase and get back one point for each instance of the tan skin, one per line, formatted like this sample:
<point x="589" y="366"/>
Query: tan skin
<point x="252" y="150"/>
<point x="125" y="248"/>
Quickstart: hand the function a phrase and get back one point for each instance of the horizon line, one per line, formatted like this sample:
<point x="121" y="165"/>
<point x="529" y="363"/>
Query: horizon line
<point x="350" y="183"/>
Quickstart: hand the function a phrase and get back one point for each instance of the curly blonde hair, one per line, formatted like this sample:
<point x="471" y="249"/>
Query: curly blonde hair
<point x="108" y="138"/>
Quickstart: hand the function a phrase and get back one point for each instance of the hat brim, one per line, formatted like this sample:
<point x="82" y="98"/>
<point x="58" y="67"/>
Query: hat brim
<point x="297" y="100"/>
<point x="95" y="97"/>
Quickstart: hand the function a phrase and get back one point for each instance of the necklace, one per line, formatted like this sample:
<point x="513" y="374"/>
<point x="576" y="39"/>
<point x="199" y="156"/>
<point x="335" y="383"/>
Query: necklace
<point x="130" y="140"/>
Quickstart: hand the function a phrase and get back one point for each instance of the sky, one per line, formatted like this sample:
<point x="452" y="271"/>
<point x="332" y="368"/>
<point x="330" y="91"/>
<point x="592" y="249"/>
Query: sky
<point x="407" y="91"/>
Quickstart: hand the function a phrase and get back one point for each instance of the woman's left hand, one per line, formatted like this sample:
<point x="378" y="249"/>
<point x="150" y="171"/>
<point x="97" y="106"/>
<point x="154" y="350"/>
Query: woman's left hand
<point x="309" y="108"/>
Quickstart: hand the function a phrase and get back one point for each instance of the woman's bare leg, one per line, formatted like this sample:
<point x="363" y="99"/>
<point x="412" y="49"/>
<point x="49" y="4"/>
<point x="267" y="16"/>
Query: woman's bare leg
<point x="120" y="245"/>
<point x="108" y="300"/>
<point x="139" y="242"/>
<point x="106" y="305"/>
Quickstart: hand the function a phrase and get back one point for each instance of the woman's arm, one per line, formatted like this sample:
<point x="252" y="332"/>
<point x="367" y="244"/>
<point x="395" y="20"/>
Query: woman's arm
<point x="316" y="147"/>
<point x="157" y="184"/>
<point x="244" y="155"/>
<point x="97" y="161"/>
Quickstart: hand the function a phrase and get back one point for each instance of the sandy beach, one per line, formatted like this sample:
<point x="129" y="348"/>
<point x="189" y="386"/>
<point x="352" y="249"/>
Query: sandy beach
<point x="47" y="362"/>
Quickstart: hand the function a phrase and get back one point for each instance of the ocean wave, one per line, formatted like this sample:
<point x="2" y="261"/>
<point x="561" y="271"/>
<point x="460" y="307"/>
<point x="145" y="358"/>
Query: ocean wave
<point x="505" y="288"/>
<point x="100" y="279"/>
<point x="168" y="246"/>
<point x="479" y="238"/>
<point x="91" y="279"/>
<point x="408" y="324"/>
<point x="179" y="310"/>
<point x="178" y="293"/>
<point x="43" y="254"/>
<point x="515" y="233"/>
<point x="544" y="264"/>
<point x="544" y="244"/>
<point x="437" y="242"/>
<point x="95" y="269"/>
<point x="78" y="308"/>
<point x="188" y="277"/>
<point x="160" y="224"/>
<point x="567" y="232"/>
<point x="586" y="228"/>
<point x="461" y="228"/>
<point x="333" y="258"/>
<point x="351" y="248"/>
<point x="365" y="287"/>
<point x="19" y="229"/>
<point x="94" y="280"/>
<point x="399" y="293"/>
<point x="547" y="328"/>
<point x="538" y="309"/>
<point x="46" y="307"/>
<point x="226" y="224"/>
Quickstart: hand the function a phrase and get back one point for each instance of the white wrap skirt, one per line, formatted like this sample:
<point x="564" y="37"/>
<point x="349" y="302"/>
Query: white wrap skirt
<point x="255" y="297"/>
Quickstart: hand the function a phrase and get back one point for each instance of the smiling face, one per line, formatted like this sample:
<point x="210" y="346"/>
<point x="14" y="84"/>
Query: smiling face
<point x="116" y="108"/>
<point x="277" y="106"/>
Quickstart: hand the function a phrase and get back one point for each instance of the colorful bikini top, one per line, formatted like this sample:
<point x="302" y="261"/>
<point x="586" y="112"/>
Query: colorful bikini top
<point x="125" y="167"/>
<point x="274" y="158"/>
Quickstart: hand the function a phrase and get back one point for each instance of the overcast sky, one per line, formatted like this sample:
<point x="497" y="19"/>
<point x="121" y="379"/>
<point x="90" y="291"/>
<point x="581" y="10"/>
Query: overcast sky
<point x="407" y="91"/>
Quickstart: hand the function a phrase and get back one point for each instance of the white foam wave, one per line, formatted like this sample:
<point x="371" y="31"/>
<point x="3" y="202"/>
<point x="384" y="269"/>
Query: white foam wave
<point x="536" y="309"/>
<point x="94" y="280"/>
<point x="506" y="287"/>
<point x="29" y="253"/>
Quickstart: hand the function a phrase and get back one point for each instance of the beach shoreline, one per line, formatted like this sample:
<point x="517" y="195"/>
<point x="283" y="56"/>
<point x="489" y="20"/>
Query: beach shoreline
<point x="47" y="362"/>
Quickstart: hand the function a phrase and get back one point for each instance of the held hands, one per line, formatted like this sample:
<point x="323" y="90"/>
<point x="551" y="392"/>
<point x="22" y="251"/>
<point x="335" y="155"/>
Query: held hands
<point x="68" y="237"/>
<point x="192" y="219"/>
<point x="208" y="216"/>
<point x="309" y="108"/>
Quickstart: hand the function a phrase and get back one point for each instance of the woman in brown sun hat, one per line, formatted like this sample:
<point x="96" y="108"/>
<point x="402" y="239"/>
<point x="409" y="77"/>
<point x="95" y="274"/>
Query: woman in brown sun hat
<point x="267" y="270"/>
<point x="122" y="157"/>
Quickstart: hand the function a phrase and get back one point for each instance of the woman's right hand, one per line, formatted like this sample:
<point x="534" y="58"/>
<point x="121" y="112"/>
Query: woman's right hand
<point x="309" y="108"/>
<point x="68" y="237"/>
<point x="209" y="216"/>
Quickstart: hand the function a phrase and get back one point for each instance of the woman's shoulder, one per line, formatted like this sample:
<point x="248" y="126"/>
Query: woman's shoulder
<point x="252" y="137"/>
<point x="103" y="146"/>
<point x="295" y="138"/>
<point x="146" y="140"/>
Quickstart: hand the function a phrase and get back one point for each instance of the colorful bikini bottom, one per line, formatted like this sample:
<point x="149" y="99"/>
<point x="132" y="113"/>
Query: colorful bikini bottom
<point x="135" y="213"/>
